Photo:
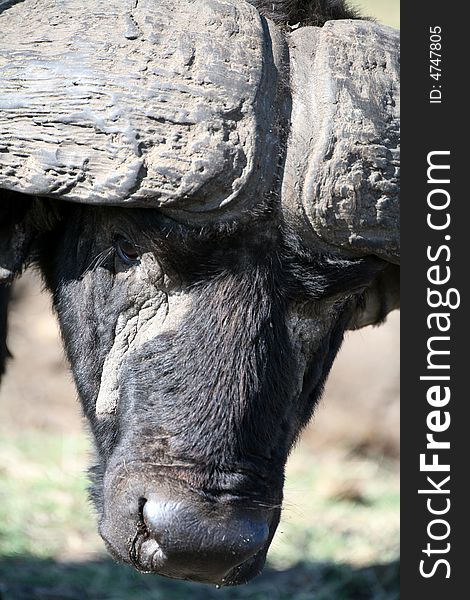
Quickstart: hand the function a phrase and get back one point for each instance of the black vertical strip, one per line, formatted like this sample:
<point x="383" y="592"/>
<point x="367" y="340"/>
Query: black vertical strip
<point x="4" y="299"/>
<point x="434" y="119"/>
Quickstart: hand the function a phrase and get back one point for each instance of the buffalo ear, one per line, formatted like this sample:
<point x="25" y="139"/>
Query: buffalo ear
<point x="382" y="296"/>
<point x="16" y="233"/>
<point x="16" y="236"/>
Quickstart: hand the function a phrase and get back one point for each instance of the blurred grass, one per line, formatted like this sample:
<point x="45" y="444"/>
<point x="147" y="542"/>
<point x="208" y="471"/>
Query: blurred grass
<point x="102" y="580"/>
<point x="338" y="538"/>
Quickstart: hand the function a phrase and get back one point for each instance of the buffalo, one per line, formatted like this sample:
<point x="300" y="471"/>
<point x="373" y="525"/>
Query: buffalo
<point x="210" y="192"/>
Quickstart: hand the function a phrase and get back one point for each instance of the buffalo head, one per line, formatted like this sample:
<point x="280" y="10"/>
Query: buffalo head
<point x="232" y="211"/>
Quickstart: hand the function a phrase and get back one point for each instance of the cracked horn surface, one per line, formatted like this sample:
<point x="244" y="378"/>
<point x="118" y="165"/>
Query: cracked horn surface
<point x="148" y="103"/>
<point x="342" y="167"/>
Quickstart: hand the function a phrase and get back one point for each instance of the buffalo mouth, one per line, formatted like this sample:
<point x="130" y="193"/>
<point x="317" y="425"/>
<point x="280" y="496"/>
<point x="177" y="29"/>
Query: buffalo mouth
<point x="147" y="557"/>
<point x="170" y="530"/>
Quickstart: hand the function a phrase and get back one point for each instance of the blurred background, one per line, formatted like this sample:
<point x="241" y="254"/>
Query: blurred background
<point x="339" y="535"/>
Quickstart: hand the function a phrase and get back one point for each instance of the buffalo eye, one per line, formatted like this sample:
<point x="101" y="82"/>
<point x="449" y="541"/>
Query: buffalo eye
<point x="126" y="251"/>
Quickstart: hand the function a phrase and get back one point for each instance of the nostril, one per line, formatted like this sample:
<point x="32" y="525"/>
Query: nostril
<point x="141" y="504"/>
<point x="141" y="525"/>
<point x="145" y="551"/>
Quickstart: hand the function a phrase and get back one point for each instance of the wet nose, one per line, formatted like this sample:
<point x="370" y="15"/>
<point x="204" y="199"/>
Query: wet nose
<point x="202" y="544"/>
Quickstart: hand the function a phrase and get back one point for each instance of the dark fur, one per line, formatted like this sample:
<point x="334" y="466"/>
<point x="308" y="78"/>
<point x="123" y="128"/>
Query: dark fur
<point x="233" y="343"/>
<point x="14" y="246"/>
<point x="304" y="12"/>
<point x="211" y="404"/>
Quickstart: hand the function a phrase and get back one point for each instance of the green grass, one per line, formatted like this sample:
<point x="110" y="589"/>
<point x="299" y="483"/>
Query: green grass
<point x="338" y="539"/>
